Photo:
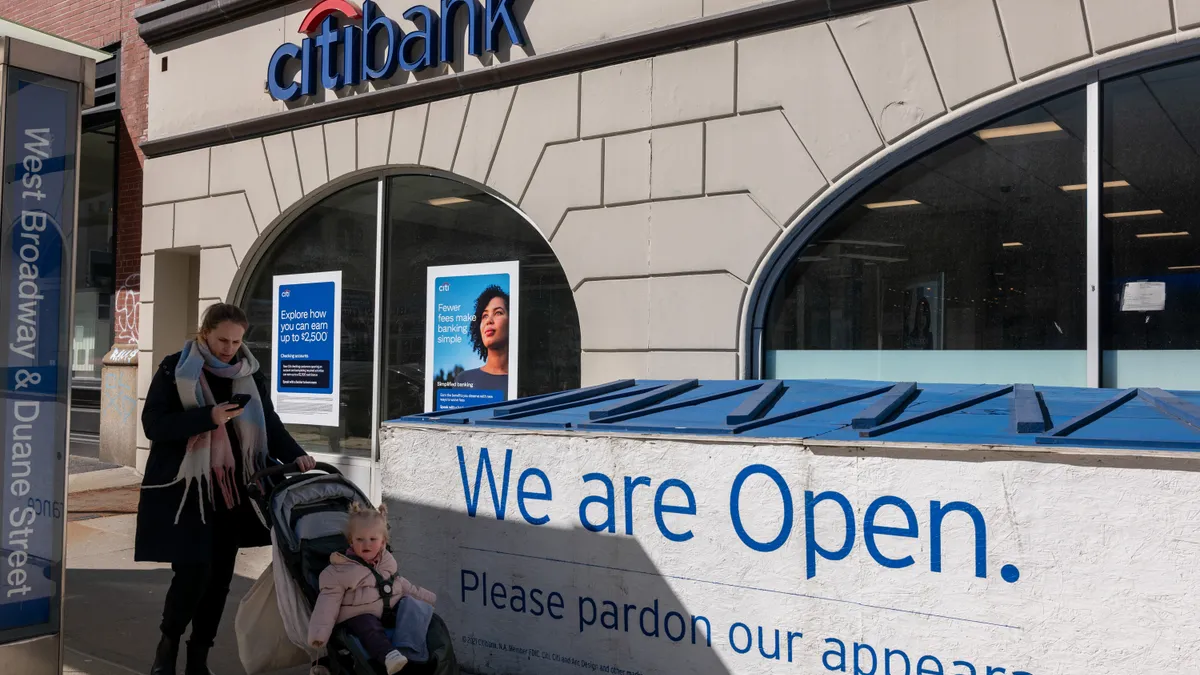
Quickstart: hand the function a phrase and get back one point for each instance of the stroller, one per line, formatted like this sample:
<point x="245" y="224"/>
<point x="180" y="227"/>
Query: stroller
<point x="308" y="514"/>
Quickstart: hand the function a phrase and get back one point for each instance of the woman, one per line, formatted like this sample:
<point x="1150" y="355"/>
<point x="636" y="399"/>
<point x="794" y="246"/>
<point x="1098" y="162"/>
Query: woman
<point x="489" y="339"/>
<point x="194" y="511"/>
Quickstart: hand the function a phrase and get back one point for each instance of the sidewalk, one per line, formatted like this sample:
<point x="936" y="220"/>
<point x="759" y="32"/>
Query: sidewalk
<point x="113" y="605"/>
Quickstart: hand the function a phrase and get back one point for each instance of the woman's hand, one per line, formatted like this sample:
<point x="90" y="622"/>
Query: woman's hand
<point x="305" y="464"/>
<point x="318" y="643"/>
<point x="225" y="412"/>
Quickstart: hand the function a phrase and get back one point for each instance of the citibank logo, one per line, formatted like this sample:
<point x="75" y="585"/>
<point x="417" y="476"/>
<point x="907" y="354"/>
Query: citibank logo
<point x="338" y="56"/>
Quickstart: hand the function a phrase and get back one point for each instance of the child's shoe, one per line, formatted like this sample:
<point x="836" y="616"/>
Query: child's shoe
<point x="395" y="662"/>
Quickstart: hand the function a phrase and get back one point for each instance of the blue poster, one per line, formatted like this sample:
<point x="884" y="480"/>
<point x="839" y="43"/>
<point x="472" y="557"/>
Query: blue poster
<point x="306" y="344"/>
<point x="471" y="335"/>
<point x="41" y="130"/>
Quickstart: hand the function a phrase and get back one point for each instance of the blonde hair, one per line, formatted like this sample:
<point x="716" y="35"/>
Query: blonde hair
<point x="364" y="515"/>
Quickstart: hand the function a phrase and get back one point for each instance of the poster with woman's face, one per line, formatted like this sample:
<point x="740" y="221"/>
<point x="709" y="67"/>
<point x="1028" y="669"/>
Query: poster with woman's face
<point x="471" y="335"/>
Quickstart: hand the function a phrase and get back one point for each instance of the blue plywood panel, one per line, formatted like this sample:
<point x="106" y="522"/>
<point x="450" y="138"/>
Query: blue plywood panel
<point x="847" y="410"/>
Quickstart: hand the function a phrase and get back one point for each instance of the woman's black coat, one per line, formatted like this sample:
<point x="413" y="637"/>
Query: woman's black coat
<point x="169" y="426"/>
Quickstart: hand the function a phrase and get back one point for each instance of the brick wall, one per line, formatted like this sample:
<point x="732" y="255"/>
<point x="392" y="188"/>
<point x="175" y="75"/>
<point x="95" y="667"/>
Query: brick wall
<point x="101" y="23"/>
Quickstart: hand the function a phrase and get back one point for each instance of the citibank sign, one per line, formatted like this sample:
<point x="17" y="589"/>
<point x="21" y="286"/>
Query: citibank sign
<point x="334" y="56"/>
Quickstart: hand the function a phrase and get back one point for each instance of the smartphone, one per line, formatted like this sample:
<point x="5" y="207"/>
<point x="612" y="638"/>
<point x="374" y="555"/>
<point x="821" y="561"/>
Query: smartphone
<point x="240" y="400"/>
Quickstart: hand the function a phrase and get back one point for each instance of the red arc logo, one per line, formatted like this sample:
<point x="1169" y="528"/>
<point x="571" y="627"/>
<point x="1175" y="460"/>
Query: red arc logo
<point x="312" y="20"/>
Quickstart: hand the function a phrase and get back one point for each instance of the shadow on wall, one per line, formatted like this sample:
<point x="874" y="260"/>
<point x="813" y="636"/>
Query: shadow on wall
<point x="528" y="599"/>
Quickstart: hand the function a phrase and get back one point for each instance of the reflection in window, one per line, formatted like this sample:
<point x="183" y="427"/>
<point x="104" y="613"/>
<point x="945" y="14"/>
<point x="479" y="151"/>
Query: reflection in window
<point x="95" y="272"/>
<point x="965" y="265"/>
<point x="1151" y="139"/>
<point x="337" y="233"/>
<point x="434" y="221"/>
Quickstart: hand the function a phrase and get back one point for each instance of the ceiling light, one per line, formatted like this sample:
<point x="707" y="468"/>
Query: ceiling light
<point x="1083" y="186"/>
<point x="1018" y="130"/>
<point x="892" y="205"/>
<point x="1184" y="267"/>
<point x="1162" y="235"/>
<point x="1012" y="244"/>
<point x="447" y="201"/>
<point x="1134" y="214"/>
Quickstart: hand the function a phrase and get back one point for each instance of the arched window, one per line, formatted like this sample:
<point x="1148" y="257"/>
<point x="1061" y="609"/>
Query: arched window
<point x="964" y="265"/>
<point x="426" y="220"/>
<point x="971" y="263"/>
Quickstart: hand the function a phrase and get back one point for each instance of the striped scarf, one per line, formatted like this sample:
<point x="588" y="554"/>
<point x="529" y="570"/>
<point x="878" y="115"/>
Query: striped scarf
<point x="209" y="458"/>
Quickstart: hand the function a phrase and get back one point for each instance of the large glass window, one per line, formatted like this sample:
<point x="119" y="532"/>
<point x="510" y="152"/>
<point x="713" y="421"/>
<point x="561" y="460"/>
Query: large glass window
<point x="338" y="233"/>
<point x="1150" y="135"/>
<point x="428" y="221"/>
<point x="965" y="265"/>
<point x="433" y="221"/>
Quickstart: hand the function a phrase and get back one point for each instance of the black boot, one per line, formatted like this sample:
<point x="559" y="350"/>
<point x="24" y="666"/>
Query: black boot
<point x="165" y="657"/>
<point x="197" y="660"/>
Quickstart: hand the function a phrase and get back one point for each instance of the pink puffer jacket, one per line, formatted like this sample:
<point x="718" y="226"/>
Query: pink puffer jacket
<point x="348" y="590"/>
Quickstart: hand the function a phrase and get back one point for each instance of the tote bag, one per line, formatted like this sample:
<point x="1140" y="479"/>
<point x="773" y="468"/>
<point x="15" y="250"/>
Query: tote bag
<point x="263" y="642"/>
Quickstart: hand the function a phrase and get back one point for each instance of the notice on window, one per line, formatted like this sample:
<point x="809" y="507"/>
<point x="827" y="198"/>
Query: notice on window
<point x="471" y="335"/>
<point x="307" y="348"/>
<point x="1144" y="296"/>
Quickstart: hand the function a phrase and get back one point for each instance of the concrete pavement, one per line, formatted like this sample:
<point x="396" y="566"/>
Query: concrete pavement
<point x="113" y="605"/>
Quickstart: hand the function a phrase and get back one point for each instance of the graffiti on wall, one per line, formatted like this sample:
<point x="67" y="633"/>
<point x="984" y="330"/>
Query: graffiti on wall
<point x="126" y="308"/>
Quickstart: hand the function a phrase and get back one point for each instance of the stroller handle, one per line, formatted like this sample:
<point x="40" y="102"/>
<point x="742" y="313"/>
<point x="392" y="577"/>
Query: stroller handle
<point x="284" y="469"/>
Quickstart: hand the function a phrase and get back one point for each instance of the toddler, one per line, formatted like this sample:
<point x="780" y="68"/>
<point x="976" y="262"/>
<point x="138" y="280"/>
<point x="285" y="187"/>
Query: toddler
<point x="350" y="595"/>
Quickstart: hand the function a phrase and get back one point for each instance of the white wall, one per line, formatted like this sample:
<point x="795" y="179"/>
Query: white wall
<point x="1106" y="556"/>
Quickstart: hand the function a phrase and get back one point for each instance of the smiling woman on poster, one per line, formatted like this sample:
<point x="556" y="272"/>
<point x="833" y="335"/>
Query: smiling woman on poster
<point x="489" y="339"/>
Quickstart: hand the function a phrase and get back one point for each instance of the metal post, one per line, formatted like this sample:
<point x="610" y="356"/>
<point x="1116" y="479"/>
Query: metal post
<point x="1094" y="186"/>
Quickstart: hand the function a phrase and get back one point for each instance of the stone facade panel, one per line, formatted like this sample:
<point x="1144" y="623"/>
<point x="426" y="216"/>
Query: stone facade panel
<point x="603" y="367"/>
<point x="627" y="168"/>
<point x="243" y="166"/>
<point x="677" y="162"/>
<point x="761" y="154"/>
<point x="1116" y="23"/>
<point x="285" y="169"/>
<point x="442" y="132"/>
<point x="341" y="147"/>
<point x="966" y="47"/>
<point x="820" y="101"/>
<point x="373" y="134"/>
<point x="887" y="57"/>
<point x="1043" y="34"/>
<point x="687" y="365"/>
<point x="568" y="177"/>
<point x="408" y="135"/>
<point x="612" y="242"/>
<point x="727" y="232"/>
<point x="485" y="121"/>
<point x="158" y="227"/>
<point x="216" y="221"/>
<point x="694" y="85"/>
<point x="175" y="177"/>
<point x="542" y="112"/>
<point x="310" y="154"/>
<point x="695" y="312"/>
<point x="617" y="98"/>
<point x="614" y="314"/>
